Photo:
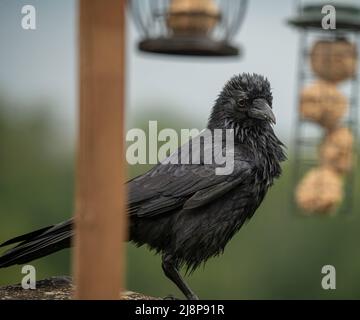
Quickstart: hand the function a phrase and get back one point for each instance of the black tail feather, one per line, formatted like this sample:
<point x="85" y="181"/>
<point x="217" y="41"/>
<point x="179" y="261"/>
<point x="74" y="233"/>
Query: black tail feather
<point x="25" y="237"/>
<point x="37" y="244"/>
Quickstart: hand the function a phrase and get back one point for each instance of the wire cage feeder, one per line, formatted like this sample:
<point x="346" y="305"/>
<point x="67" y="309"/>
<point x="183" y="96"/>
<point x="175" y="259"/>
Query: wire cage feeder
<point x="188" y="27"/>
<point x="326" y="133"/>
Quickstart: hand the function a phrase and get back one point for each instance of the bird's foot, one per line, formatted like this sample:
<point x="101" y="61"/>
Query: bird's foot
<point x="170" y="297"/>
<point x="193" y="297"/>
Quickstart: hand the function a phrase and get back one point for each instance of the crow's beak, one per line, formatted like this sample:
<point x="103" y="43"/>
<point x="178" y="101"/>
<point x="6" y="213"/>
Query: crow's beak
<point x="262" y="110"/>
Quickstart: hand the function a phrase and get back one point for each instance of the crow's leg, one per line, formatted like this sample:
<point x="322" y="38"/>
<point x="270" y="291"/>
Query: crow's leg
<point x="172" y="272"/>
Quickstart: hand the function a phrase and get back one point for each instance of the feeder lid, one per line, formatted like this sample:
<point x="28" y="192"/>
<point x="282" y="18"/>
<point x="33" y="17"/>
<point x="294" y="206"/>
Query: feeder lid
<point x="347" y="17"/>
<point x="188" y="46"/>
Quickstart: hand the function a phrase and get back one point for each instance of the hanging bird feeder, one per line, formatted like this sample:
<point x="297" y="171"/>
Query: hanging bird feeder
<point x="189" y="27"/>
<point x="327" y="125"/>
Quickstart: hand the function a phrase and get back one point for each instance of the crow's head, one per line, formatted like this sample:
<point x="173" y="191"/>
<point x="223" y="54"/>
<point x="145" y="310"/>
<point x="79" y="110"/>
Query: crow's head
<point x="246" y="99"/>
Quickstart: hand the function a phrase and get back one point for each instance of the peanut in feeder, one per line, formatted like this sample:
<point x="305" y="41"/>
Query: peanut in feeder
<point x="320" y="191"/>
<point x="336" y="150"/>
<point x="323" y="103"/>
<point x="189" y="17"/>
<point x="334" y="61"/>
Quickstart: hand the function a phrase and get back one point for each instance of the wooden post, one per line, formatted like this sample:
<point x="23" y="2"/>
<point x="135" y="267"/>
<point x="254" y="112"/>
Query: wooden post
<point x="100" y="197"/>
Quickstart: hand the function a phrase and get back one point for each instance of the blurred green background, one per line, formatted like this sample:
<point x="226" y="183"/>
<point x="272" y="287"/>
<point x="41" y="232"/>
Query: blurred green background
<point x="276" y="255"/>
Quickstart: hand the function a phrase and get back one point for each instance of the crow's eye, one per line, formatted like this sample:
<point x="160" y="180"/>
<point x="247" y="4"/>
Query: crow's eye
<point x="241" y="103"/>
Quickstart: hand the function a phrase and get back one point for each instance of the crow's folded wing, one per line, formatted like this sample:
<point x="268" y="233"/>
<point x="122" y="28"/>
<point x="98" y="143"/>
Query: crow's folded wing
<point x="168" y="187"/>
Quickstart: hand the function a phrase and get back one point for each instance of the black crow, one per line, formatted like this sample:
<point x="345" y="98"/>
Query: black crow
<point x="187" y="212"/>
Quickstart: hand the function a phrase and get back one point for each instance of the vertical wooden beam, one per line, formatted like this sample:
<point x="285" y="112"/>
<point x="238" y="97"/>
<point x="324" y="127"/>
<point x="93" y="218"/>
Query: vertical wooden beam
<point x="100" y="202"/>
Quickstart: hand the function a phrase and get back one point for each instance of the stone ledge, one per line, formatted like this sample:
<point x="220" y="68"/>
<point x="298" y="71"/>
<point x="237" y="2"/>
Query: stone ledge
<point x="55" y="288"/>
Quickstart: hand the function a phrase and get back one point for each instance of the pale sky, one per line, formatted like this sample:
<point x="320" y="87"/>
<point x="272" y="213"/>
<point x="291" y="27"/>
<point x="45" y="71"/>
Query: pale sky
<point x="41" y="65"/>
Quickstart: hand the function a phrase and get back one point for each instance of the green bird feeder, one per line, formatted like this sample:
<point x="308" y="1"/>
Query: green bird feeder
<point x="327" y="107"/>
